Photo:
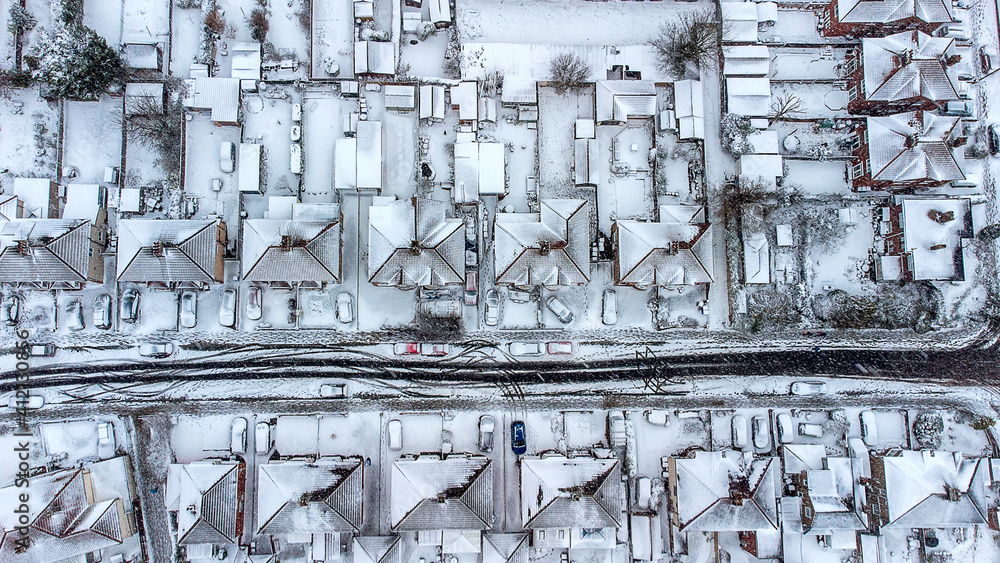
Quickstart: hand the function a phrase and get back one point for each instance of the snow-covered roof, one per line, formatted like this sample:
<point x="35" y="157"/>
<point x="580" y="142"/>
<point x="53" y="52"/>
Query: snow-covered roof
<point x="550" y="248"/>
<point x="889" y="11"/>
<point x="726" y="491"/>
<point x="479" y="169"/>
<point x="205" y="496"/>
<point x="53" y="250"/>
<point x="413" y="243"/>
<point x="913" y="146"/>
<point x="168" y="250"/>
<point x="401" y="97"/>
<point x="130" y="200"/>
<point x="220" y="95"/>
<point x="464" y="97"/>
<point x="831" y="496"/>
<point x="439" y="11"/>
<point x="39" y="197"/>
<point x="908" y="65"/>
<point x="783" y="233"/>
<point x="580" y="492"/>
<point x="689" y="105"/>
<point x="748" y="96"/>
<point x="322" y="497"/>
<point x="505" y="548"/>
<point x="663" y="253"/>
<point x="364" y="9"/>
<point x="757" y="259"/>
<point x="142" y="55"/>
<point x="746" y="60"/>
<point x="587" y="162"/>
<point x="369" y="166"/>
<point x="933" y="229"/>
<point x="248" y="177"/>
<point x="763" y="142"/>
<point x="918" y="485"/>
<point x="374" y="57"/>
<point x="245" y="59"/>
<point x="84" y="201"/>
<point x="276" y="250"/>
<point x="739" y="22"/>
<point x="769" y="167"/>
<point x="11" y="207"/>
<point x="432" y="102"/>
<point x="377" y="549"/>
<point x="442" y="493"/>
<point x="71" y="513"/>
<point x="584" y="129"/>
<point x="519" y="90"/>
<point x="619" y="100"/>
<point x="345" y="164"/>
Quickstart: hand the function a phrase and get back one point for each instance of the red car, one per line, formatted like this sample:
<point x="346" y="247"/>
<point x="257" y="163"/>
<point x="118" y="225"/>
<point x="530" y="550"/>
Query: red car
<point x="406" y="348"/>
<point x="434" y="349"/>
<point x="471" y="288"/>
<point x="558" y="348"/>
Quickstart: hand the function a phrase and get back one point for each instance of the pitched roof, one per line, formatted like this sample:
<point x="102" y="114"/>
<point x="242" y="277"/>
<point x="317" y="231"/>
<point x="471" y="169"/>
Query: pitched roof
<point x="551" y="247"/>
<point x="189" y="250"/>
<point x="667" y="252"/>
<point x="314" y="254"/>
<point x="912" y="146"/>
<point x="58" y="250"/>
<point x="917" y="485"/>
<point x="618" y="100"/>
<point x="412" y="243"/>
<point x="888" y="11"/>
<point x="321" y="497"/>
<point x="559" y="492"/>
<point x="908" y="65"/>
<point x="433" y="493"/>
<point x="505" y="548"/>
<point x="205" y="496"/>
<point x="377" y="549"/>
<point x="708" y="482"/>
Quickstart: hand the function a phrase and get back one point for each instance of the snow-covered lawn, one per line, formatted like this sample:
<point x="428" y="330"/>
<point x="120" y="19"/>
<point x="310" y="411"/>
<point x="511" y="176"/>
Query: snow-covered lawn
<point x="185" y="37"/>
<point x="92" y="138"/>
<point x="268" y="121"/>
<point x="105" y="17"/>
<point x="426" y="58"/>
<point x="322" y="125"/>
<point x="557" y="115"/>
<point x="202" y="140"/>
<point x="332" y="38"/>
<point x="29" y="137"/>
<point x="819" y="100"/>
<point x="194" y="438"/>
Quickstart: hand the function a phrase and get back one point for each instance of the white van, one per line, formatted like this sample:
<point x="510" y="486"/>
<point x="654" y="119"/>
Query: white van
<point x="869" y="430"/>
<point x="238" y="445"/>
<point x="262" y="437"/>
<point x="811" y="430"/>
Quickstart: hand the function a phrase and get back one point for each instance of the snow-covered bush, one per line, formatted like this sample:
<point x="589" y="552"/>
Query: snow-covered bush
<point x="20" y="20"/>
<point x="259" y="25"/>
<point x="735" y="130"/>
<point x="927" y="429"/>
<point x="187" y="4"/>
<point x="381" y="35"/>
<point x="631" y="456"/>
<point x="66" y="12"/>
<point x="425" y="30"/>
<point x="76" y="63"/>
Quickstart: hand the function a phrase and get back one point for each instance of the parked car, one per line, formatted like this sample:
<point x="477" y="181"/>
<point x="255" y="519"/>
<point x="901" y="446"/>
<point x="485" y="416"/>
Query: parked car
<point x="105" y="434"/>
<point x="394" y="431"/>
<point x="10" y="310"/>
<point x="519" y="296"/>
<point x="262" y="437"/>
<point x="518" y="444"/>
<point x="435" y="349"/>
<point x="333" y="391"/>
<point x="993" y="139"/>
<point x="988" y="59"/>
<point x="102" y="311"/>
<point x="643" y="492"/>
<point x="561" y="311"/>
<point x="238" y="443"/>
<point x="525" y="348"/>
<point x="811" y="430"/>
<point x="227" y="157"/>
<point x="74" y="315"/>
<point x="406" y="348"/>
<point x="785" y="431"/>
<point x="255" y="303"/>
<point x="345" y="308"/>
<point x="559" y="348"/>
<point x="130" y="306"/>
<point x="471" y="289"/>
<point x="808" y="388"/>
<point x="486" y="428"/>
<point x="609" y="307"/>
<point x="869" y="430"/>
<point x="492" y="313"/>
<point x="189" y="309"/>
<point x="739" y="432"/>
<point x="959" y="108"/>
<point x="42" y="350"/>
<point x="761" y="433"/>
<point x="616" y="429"/>
<point x="30" y="402"/>
<point x="956" y="32"/>
<point x="227" y="311"/>
<point x="156" y="349"/>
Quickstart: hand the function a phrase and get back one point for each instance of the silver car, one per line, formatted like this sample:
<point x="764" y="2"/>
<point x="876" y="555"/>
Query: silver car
<point x="227" y="311"/>
<point x="189" y="309"/>
<point x="492" y="313"/>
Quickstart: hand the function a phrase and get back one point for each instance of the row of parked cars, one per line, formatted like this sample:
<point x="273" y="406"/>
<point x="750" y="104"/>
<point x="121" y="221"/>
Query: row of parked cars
<point x="487" y="431"/>
<point x="786" y="431"/>
<point x="491" y="312"/>
<point x="262" y="437"/>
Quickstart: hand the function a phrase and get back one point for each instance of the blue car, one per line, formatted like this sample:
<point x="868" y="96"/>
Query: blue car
<point x="517" y="443"/>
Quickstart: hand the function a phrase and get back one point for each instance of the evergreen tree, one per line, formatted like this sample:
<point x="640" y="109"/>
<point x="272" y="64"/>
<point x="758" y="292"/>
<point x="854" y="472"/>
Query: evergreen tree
<point x="77" y="63"/>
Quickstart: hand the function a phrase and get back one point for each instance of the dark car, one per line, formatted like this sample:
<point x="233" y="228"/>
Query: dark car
<point x="993" y="139"/>
<point x="130" y="306"/>
<point x="517" y="443"/>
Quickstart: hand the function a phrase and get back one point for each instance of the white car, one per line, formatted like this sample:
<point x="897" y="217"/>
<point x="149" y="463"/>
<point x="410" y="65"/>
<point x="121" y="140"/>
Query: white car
<point x="345" y="308"/>
<point x="609" y="307"/>
<point x="255" y="308"/>
<point x="811" y="430"/>
<point x="561" y="311"/>
<point x="102" y="311"/>
<point x="227" y="157"/>
<point x="525" y="348"/>
<point x="559" y="348"/>
<point x="189" y="309"/>
<point x="156" y="349"/>
<point x="394" y="431"/>
<point x="785" y="431"/>
<point x="262" y="438"/>
<point x="808" y="388"/>
<point x="487" y="426"/>
<point x="760" y="432"/>
<point x="739" y="432"/>
<point x="227" y="311"/>
<point x="105" y="434"/>
<point x="30" y="402"/>
<point x="492" y="312"/>
<point x="869" y="430"/>
<point x="238" y="442"/>
<point x="74" y="315"/>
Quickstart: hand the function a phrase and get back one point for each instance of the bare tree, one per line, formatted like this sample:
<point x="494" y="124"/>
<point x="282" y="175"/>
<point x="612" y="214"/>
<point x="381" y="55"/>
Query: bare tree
<point x="215" y="22"/>
<point x="693" y="38"/>
<point x="787" y="106"/>
<point x="155" y="126"/>
<point x="741" y="198"/>
<point x="569" y="72"/>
